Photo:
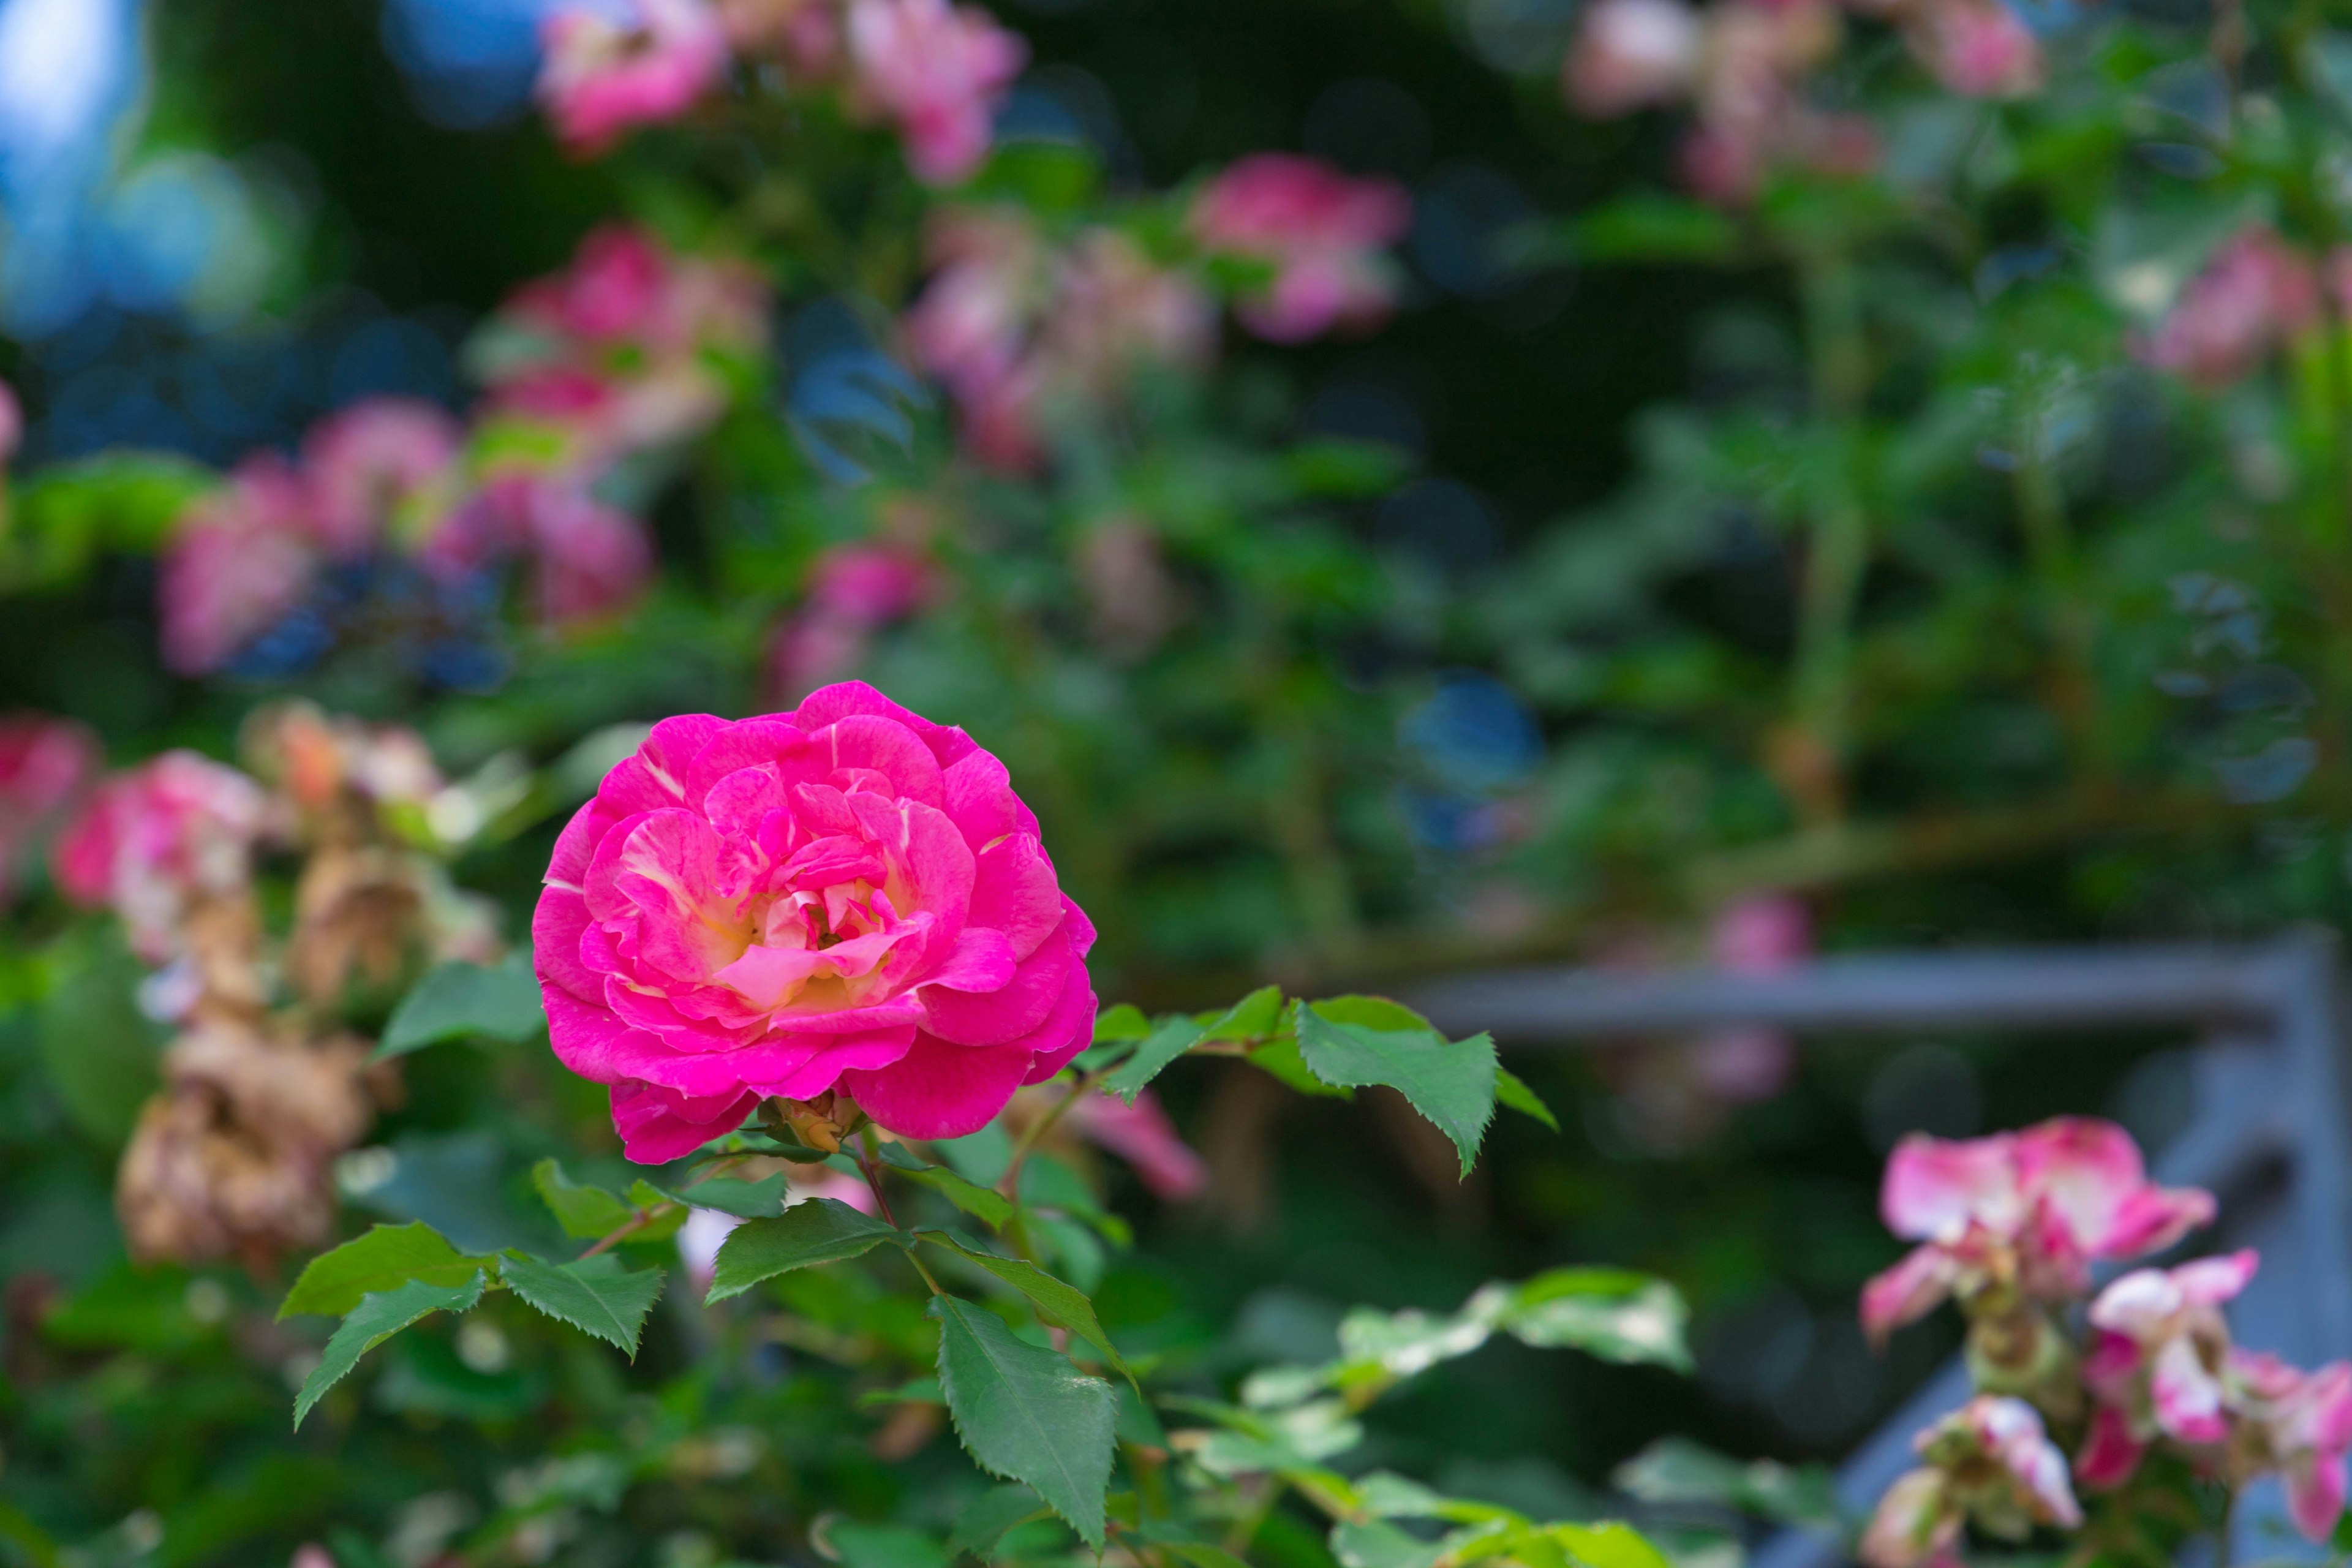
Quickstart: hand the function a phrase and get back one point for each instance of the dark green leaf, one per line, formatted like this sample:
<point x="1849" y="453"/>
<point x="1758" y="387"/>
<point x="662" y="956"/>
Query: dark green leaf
<point x="985" y="1519"/>
<point x="1162" y="1046"/>
<point x="885" y="1546"/>
<point x="458" y="1000"/>
<point x="1509" y="1090"/>
<point x="1062" y="1304"/>
<point x="819" y="1230"/>
<point x="1280" y="1059"/>
<point x="762" y="1199"/>
<point x="594" y="1295"/>
<point x="1654" y="229"/>
<point x="583" y="1211"/>
<point x="376" y="1319"/>
<point x="1359" y="1041"/>
<point x="388" y="1255"/>
<point x="986" y="1205"/>
<point x="1255" y="1016"/>
<point x="99" y="1049"/>
<point x="1026" y="1414"/>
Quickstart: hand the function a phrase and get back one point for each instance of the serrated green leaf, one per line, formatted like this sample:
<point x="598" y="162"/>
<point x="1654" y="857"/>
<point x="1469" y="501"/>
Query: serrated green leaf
<point x="1357" y="1042"/>
<point x="814" y="1231"/>
<point x="1162" y="1046"/>
<point x="583" y="1211"/>
<point x="1026" y="1414"/>
<point x="387" y="1256"/>
<point x="1606" y="1312"/>
<point x="762" y="1199"/>
<point x="1280" y="1059"/>
<point x="985" y="1519"/>
<point x="595" y="1295"/>
<point x="458" y="1000"/>
<point x="986" y="1205"/>
<point x="378" y="1317"/>
<point x="1060" y="1303"/>
<point x="1124" y="1022"/>
<point x="1256" y="1014"/>
<point x="1512" y="1091"/>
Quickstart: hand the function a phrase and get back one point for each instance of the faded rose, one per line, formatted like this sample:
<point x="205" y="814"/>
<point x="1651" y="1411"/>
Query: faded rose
<point x="845" y="897"/>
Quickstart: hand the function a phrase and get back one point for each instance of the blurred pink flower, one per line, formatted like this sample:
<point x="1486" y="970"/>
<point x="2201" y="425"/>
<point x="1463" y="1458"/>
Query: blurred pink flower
<point x="2031" y="1209"/>
<point x="1979" y="48"/>
<point x="601" y="78"/>
<point x="2160" y="1351"/>
<point x="45" y="761"/>
<point x="1629" y="54"/>
<point x="587" y="559"/>
<point x="238" y="561"/>
<point x="1769" y="934"/>
<point x="806" y="33"/>
<point x="1322" y="233"/>
<point x="2304" y="1425"/>
<point x="937" y="72"/>
<point x="2255" y="295"/>
<point x="12" y="424"/>
<point x="156" y="840"/>
<point x="1142" y="1135"/>
<point x="363" y="464"/>
<point x="1991" y="1462"/>
<point x="854" y="590"/>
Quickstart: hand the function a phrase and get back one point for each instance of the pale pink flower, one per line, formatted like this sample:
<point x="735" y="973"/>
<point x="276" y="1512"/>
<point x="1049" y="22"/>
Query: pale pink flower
<point x="1979" y="48"/>
<point x="310" y="1554"/>
<point x="2255" y="295"/>
<point x="1321" y="232"/>
<point x="2034" y="1209"/>
<point x="365" y="464"/>
<point x="2160" y="1353"/>
<point x="937" y="72"/>
<point x="842" y="898"/>
<point x="1989" y="1462"/>
<point x="2303" y="1424"/>
<point x="1629" y="54"/>
<point x="602" y="78"/>
<point x="157" y="840"/>
<point x="45" y="761"/>
<point x="1142" y="1135"/>
<point x="238" y="561"/>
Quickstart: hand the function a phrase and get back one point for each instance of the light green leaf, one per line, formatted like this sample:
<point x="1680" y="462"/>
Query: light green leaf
<point x="1162" y="1046"/>
<point x="594" y="1295"/>
<point x="1675" y="1470"/>
<point x="583" y="1211"/>
<point x="1255" y="1015"/>
<point x="1124" y="1022"/>
<point x="1609" y="1545"/>
<point x="1026" y="1414"/>
<point x="1356" y="1041"/>
<point x="377" y="1318"/>
<point x="1058" y="1303"/>
<point x="818" y="1230"/>
<point x="1280" y="1059"/>
<point x="762" y="1199"/>
<point x="388" y="1255"/>
<point x="1605" y="1312"/>
<point x="985" y="1519"/>
<point x="1510" y="1091"/>
<point x="458" y="1000"/>
<point x="1376" y="1543"/>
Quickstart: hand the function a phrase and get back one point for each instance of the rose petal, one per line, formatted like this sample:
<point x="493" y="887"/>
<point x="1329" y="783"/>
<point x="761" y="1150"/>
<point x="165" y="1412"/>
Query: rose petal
<point x="1015" y="891"/>
<point x="1934" y="1187"/>
<point x="658" y="1125"/>
<point x="2110" y="1453"/>
<point x="994" y="1017"/>
<point x="940" y="1090"/>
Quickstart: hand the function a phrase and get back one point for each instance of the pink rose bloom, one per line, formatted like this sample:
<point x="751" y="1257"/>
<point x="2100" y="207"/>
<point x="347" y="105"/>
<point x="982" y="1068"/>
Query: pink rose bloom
<point x="1629" y="54"/>
<point x="2034" y="1208"/>
<point x="1990" y="1461"/>
<point x="1142" y="1135"/>
<point x="601" y="79"/>
<point x="44" y="764"/>
<point x="938" y="72"/>
<point x="845" y="897"/>
<point x="1979" y="48"/>
<point x="2255" y="295"/>
<point x="2304" y="1422"/>
<point x="158" y="839"/>
<point x="2157" y="1364"/>
<point x="366" y="462"/>
<point x="12" y="424"/>
<point x="239" y="562"/>
<point x="1323" y="233"/>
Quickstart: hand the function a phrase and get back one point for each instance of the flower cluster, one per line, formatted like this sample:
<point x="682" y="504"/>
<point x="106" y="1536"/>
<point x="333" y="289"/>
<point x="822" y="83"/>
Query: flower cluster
<point x="1320" y="232"/>
<point x="2257" y="294"/>
<point x="854" y="590"/>
<point x="933" y="71"/>
<point x="2010" y="1226"/>
<point x="397" y="513"/>
<point x="844" y="907"/>
<point x="44" y="764"/>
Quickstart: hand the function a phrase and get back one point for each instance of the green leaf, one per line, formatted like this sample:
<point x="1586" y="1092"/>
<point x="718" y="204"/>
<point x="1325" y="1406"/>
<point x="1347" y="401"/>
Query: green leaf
<point x="1255" y="1015"/>
<point x="1356" y="1041"/>
<point x="583" y="1211"/>
<point x="1060" y="1303"/>
<point x="378" y="1317"/>
<point x="458" y="1000"/>
<point x="1280" y="1059"/>
<point x="594" y="1295"/>
<point x="985" y="1519"/>
<point x="818" y="1230"/>
<point x="762" y="1199"/>
<point x="1162" y="1046"/>
<point x="1124" y="1022"/>
<point x="1609" y="1545"/>
<point x="1675" y="1470"/>
<point x="1376" y="1543"/>
<point x="388" y="1255"/>
<point x="101" y="1050"/>
<point x="1511" y="1091"/>
<point x="1608" y="1313"/>
<point x="986" y="1205"/>
<point x="885" y="1546"/>
<point x="1026" y="1414"/>
<point x="1654" y="229"/>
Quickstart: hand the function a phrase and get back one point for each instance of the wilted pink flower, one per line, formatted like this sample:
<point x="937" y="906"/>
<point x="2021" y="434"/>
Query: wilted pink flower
<point x="2301" y="1424"/>
<point x="1990" y="1462"/>
<point x="1979" y="48"/>
<point x="1323" y="234"/>
<point x="1629" y="54"/>
<point x="154" y="841"/>
<point x="44" y="764"/>
<point x="602" y="78"/>
<point x="2031" y="1209"/>
<point x="238" y="561"/>
<point x="937" y="72"/>
<point x="12" y="423"/>
<point x="845" y="896"/>
<point x="2256" y="294"/>
<point x="365" y="463"/>
<point x="1142" y="1135"/>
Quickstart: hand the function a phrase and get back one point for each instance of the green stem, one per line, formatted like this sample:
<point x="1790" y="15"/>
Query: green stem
<point x="870" y="1167"/>
<point x="2050" y="551"/>
<point x="1839" y="548"/>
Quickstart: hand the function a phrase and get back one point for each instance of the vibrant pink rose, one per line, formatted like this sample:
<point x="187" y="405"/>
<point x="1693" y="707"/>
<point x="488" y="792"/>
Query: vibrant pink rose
<point x="1323" y="234"/>
<point x="239" y="562"/>
<point x="363" y="464"/>
<point x="2035" y="1208"/>
<point x="1979" y="48"/>
<point x="1142" y="1135"/>
<point x="12" y="423"/>
<point x="156" y="840"/>
<point x="1991" y="1462"/>
<point x="1629" y="54"/>
<point x="44" y="764"/>
<point x="601" y="79"/>
<point x="2161" y="1350"/>
<point x="2255" y="295"/>
<point x="938" y="72"/>
<point x="845" y="897"/>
